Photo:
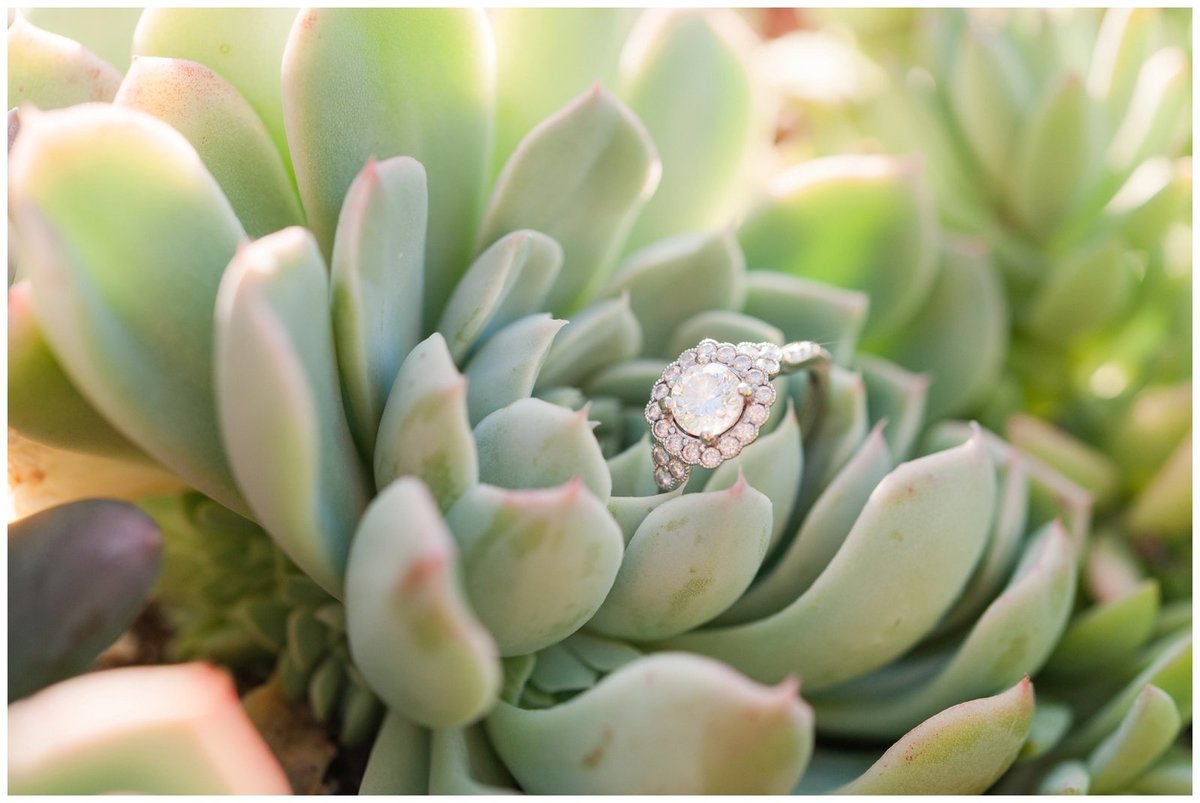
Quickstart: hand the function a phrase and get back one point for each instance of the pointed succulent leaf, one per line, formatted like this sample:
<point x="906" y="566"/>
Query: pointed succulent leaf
<point x="583" y="44"/>
<point x="773" y="465"/>
<point x="1052" y="156"/>
<point x="1164" y="507"/>
<point x="685" y="73"/>
<point x="1156" y="194"/>
<point x="282" y="419"/>
<point x="897" y="397"/>
<point x="600" y="653"/>
<point x="727" y="734"/>
<point x="839" y="430"/>
<point x="536" y="563"/>
<point x="1011" y="639"/>
<point x="581" y="176"/>
<point x="1159" y="103"/>
<point x="534" y="444"/>
<point x="605" y="333"/>
<point x="244" y="46"/>
<point x="688" y="561"/>
<point x="1172" y="775"/>
<point x="824" y="530"/>
<point x="1066" y="778"/>
<point x="89" y="735"/>
<point x="107" y="32"/>
<point x="1112" y="568"/>
<point x="630" y="511"/>
<point x="403" y="598"/>
<point x="1078" y="461"/>
<point x="632" y="470"/>
<point x="77" y="575"/>
<point x="341" y="64"/>
<point x="1051" y="721"/>
<point x="558" y="669"/>
<point x="1107" y="632"/>
<point x="425" y="431"/>
<point x="903" y="563"/>
<point x="961" y="751"/>
<point x="1084" y="290"/>
<point x="808" y="310"/>
<point x="85" y="185"/>
<point x="376" y="276"/>
<point x="461" y="762"/>
<point x="399" y="759"/>
<point x="225" y="131"/>
<point x="959" y="336"/>
<point x="1144" y="735"/>
<point x="725" y="326"/>
<point x="506" y="366"/>
<point x="505" y="283"/>
<point x="52" y="71"/>
<point x="43" y="403"/>
<point x="861" y="222"/>
<point x="1122" y="44"/>
<point x="696" y="272"/>
<point x="627" y="380"/>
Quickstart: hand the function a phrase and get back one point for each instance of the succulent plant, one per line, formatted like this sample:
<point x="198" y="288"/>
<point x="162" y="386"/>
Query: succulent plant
<point x="325" y="302"/>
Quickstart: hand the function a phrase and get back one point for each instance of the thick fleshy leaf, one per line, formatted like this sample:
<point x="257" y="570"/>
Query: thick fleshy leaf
<point x="1106" y="633"/>
<point x="864" y="222"/>
<point x="558" y="669"/>
<point x="159" y="730"/>
<point x="630" y="511"/>
<point x="52" y="71"/>
<point x="820" y="536"/>
<point x="603" y="334"/>
<point x="1164" y="507"/>
<point x="628" y="381"/>
<point x="463" y="763"/>
<point x="534" y="444"/>
<point x="341" y="64"/>
<point x="107" y="32"/>
<point x="1052" y="156"/>
<point x="1051" y="721"/>
<point x="425" y="431"/>
<point x="961" y="751"/>
<point x="86" y="184"/>
<point x="722" y="326"/>
<point x="696" y="272"/>
<point x="632" y="470"/>
<point x="1144" y="735"/>
<point x="897" y="397"/>
<point x="507" y="282"/>
<point x="688" y="561"/>
<point x="1067" y="778"/>
<point x="959" y="335"/>
<point x="583" y="44"/>
<point x="412" y="634"/>
<point x="1122" y="44"/>
<point x="227" y="133"/>
<point x="243" y="45"/>
<point x="903" y="563"/>
<point x="376" y="276"/>
<point x="1172" y="775"/>
<point x="1159" y="103"/>
<point x="727" y="734"/>
<point x="282" y="420"/>
<point x="581" y="176"/>
<point x="506" y="366"/>
<point x="773" y="465"/>
<point x="43" y="404"/>
<point x="808" y="310"/>
<point x="1078" y="461"/>
<point x="1010" y="640"/>
<point x="841" y="427"/>
<point x="399" y="760"/>
<point x="77" y="575"/>
<point x="686" y="74"/>
<point x="536" y="563"/>
<point x="600" y="653"/>
<point x="1085" y="289"/>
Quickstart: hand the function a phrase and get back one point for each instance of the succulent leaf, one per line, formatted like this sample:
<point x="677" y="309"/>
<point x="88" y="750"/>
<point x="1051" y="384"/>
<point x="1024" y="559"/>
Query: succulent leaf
<point x="536" y="563"/>
<point x="723" y="326"/>
<point x="463" y="763"/>
<point x="1159" y="103"/>
<point x="506" y="366"/>
<point x="897" y="398"/>
<point x="85" y="185"/>
<point x="605" y="333"/>
<point x="686" y="74"/>
<point x="376" y="276"/>
<point x="89" y="735"/>
<point x="963" y="750"/>
<point x="534" y="444"/>
<point x="403" y="598"/>
<point x="1107" y="632"/>
<point x="728" y="734"/>
<point x="1066" y="778"/>
<point x="581" y="176"/>
<point x="341" y="64"/>
<point x="901" y="566"/>
<point x="77" y="575"/>
<point x="425" y="431"/>
<point x="288" y="440"/>
<point x="840" y="429"/>
<point x="225" y="131"/>
<point x="1086" y="289"/>
<point x="51" y="71"/>
<point x="808" y="310"/>
<point x="1145" y="733"/>
<point x="107" y="32"/>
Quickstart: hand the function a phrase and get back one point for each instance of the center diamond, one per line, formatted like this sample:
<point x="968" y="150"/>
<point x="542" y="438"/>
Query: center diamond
<point x="706" y="400"/>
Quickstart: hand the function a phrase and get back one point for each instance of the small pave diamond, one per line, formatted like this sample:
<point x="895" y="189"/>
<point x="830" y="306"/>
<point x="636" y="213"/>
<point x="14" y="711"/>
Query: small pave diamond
<point x="653" y="412"/>
<point x="725" y="354"/>
<point x="707" y="401"/>
<point x="691" y="452"/>
<point x="764" y="394"/>
<point x="674" y="443"/>
<point x="710" y="458"/>
<point x="757" y="413"/>
<point x="755" y="376"/>
<point x="659" y="455"/>
<point x="744" y="432"/>
<point x="768" y="365"/>
<point x="663" y="477"/>
<point x="729" y="446"/>
<point x="661" y="429"/>
<point x="742" y="362"/>
<point x="677" y="469"/>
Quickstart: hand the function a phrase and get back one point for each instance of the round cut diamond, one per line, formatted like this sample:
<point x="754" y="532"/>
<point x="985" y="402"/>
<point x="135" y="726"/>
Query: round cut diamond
<point x="725" y="353"/>
<point x="707" y="401"/>
<point x="742" y="362"/>
<point x="691" y="452"/>
<point x="710" y="458"/>
<point x="729" y="446"/>
<point x="757" y="413"/>
<point x="661" y="429"/>
<point x="745" y="432"/>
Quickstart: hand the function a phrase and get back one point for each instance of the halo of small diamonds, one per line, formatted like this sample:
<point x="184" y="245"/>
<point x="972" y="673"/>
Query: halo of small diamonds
<point x="692" y="428"/>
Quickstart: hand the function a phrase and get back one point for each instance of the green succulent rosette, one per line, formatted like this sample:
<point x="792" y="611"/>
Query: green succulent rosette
<point x="408" y="328"/>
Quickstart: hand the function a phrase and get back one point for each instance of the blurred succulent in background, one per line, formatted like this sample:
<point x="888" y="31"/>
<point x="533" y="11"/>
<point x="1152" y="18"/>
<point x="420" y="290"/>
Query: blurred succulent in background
<point x="401" y="335"/>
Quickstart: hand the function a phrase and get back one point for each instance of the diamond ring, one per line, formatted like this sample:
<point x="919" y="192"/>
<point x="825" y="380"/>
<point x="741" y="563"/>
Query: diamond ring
<point x="710" y="402"/>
